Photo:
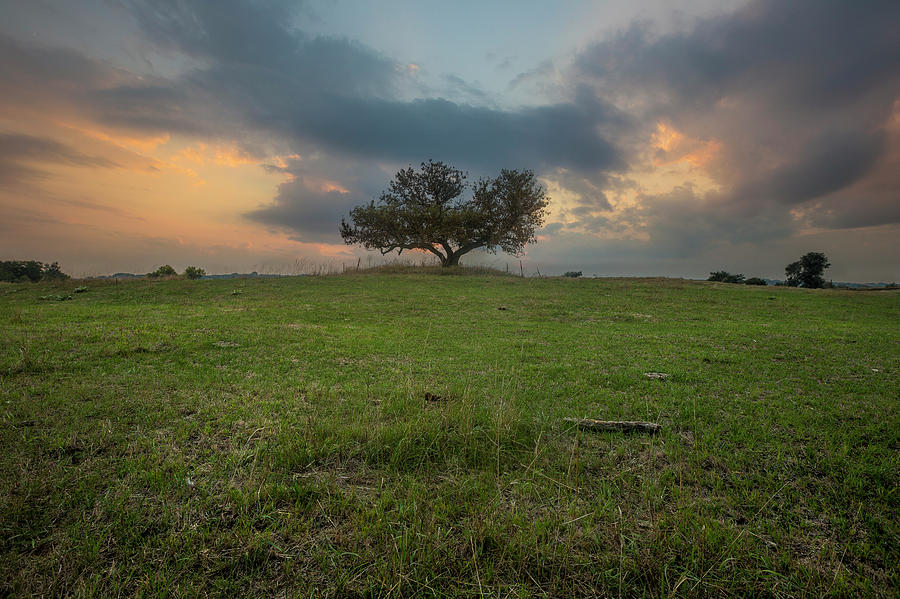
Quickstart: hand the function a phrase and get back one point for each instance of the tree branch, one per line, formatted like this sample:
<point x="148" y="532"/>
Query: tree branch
<point x="465" y="249"/>
<point x="413" y="246"/>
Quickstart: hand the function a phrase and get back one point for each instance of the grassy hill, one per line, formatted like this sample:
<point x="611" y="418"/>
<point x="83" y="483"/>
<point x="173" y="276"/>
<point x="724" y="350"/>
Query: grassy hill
<point x="271" y="437"/>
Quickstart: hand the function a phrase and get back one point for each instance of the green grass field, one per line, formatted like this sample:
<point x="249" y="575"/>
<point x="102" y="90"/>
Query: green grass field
<point x="271" y="438"/>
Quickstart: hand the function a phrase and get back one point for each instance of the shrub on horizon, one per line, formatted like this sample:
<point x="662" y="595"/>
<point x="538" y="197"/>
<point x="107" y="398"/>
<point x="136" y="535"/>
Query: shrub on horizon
<point x="194" y="272"/>
<point x="723" y="276"/>
<point x="163" y="271"/>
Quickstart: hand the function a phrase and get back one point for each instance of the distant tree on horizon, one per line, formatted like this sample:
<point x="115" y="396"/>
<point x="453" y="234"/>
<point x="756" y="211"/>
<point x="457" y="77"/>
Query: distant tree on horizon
<point x="194" y="272"/>
<point x="165" y="270"/>
<point x="807" y="271"/>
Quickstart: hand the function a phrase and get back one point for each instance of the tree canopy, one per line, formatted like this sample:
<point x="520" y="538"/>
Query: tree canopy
<point x="807" y="271"/>
<point x="423" y="210"/>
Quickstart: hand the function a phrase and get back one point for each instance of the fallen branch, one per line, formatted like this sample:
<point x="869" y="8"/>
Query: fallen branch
<point x="626" y="426"/>
<point x="656" y="375"/>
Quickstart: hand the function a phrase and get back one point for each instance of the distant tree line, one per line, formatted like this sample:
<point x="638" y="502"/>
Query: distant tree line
<point x="805" y="272"/>
<point x="17" y="271"/>
<point x="166" y="270"/>
<point x="723" y="276"/>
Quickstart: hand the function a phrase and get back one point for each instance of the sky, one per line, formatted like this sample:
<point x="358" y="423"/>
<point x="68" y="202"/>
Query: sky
<point x="673" y="137"/>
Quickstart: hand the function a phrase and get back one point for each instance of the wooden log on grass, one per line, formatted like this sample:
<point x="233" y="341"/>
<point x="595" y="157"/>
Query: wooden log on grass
<point x="626" y="426"/>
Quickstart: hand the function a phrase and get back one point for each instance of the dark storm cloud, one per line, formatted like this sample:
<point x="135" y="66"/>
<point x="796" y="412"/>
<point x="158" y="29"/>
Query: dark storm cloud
<point x="236" y="31"/>
<point x="828" y="163"/>
<point x="313" y="216"/>
<point x="19" y="152"/>
<point x="310" y="205"/>
<point x="682" y="223"/>
<point x="14" y="146"/>
<point x="468" y="135"/>
<point x="841" y="214"/>
<point x="36" y="76"/>
<point x="805" y="54"/>
<point x="771" y="82"/>
<point x="148" y="108"/>
<point x="61" y="84"/>
<point x="250" y="49"/>
<point x="341" y="95"/>
<point x="25" y="65"/>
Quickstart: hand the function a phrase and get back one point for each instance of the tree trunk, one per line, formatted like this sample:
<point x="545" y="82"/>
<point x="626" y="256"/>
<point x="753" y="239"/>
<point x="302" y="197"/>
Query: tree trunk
<point x="451" y="260"/>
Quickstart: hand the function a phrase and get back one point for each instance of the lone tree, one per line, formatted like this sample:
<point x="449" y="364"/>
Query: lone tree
<point x="194" y="272"/>
<point x="807" y="271"/>
<point x="422" y="210"/>
<point x="165" y="270"/>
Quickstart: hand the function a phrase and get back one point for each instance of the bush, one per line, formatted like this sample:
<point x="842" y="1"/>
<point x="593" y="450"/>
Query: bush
<point x="194" y="272"/>
<point x="724" y="276"/>
<point x="573" y="273"/>
<point x="755" y="281"/>
<point x="163" y="271"/>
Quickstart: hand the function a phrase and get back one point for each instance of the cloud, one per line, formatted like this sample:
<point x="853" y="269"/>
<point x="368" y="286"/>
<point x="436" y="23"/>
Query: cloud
<point x="318" y="192"/>
<point x="338" y="95"/>
<point x="829" y="162"/>
<point x="541" y="137"/>
<point x="227" y="30"/>
<point x="797" y="99"/>
<point x="159" y="108"/>
<point x="28" y="148"/>
<point x="802" y="55"/>
<point x="18" y="152"/>
<point x="41" y="78"/>
<point x="311" y="215"/>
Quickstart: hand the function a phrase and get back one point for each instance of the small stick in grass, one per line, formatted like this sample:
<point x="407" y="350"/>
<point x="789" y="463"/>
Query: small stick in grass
<point x="627" y="426"/>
